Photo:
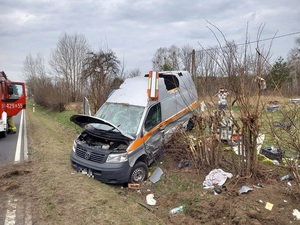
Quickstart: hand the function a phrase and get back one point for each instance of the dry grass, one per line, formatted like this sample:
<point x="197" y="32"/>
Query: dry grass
<point x="59" y="195"/>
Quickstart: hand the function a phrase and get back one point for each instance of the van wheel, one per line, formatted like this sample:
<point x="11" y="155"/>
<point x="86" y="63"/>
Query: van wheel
<point x="190" y="125"/>
<point x="139" y="173"/>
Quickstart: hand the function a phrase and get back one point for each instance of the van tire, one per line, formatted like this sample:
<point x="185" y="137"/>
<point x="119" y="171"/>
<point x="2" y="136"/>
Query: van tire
<point x="139" y="173"/>
<point x="190" y="125"/>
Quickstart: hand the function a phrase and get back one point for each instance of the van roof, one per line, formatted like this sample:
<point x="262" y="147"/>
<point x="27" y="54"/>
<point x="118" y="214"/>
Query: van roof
<point x="134" y="90"/>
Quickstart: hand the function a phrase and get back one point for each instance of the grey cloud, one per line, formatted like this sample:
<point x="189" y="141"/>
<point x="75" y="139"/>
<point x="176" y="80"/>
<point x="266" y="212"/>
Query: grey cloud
<point x="138" y="27"/>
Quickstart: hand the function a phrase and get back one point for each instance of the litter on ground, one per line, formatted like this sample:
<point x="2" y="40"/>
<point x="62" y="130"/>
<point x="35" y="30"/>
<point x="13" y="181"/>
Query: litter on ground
<point x="269" y="206"/>
<point x="272" y="108"/>
<point x="216" y="176"/>
<point x="245" y="189"/>
<point x="260" y="140"/>
<point x="156" y="175"/>
<point x="296" y="213"/>
<point x="150" y="199"/>
<point x="177" y="209"/>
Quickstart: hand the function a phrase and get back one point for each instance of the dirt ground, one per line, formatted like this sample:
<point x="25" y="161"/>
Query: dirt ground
<point x="58" y="195"/>
<point x="269" y="202"/>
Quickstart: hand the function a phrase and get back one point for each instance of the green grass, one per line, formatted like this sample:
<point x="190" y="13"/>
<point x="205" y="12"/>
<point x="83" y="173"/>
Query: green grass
<point x="60" y="117"/>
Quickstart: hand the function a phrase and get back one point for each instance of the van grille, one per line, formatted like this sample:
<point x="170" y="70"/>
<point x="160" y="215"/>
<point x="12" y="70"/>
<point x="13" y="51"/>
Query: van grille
<point x="94" y="156"/>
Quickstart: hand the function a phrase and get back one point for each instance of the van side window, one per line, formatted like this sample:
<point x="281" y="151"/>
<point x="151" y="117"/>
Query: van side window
<point x="171" y="82"/>
<point x="153" y="117"/>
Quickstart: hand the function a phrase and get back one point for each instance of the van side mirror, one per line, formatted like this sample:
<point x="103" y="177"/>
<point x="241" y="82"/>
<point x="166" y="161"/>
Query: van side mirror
<point x="10" y="89"/>
<point x="86" y="107"/>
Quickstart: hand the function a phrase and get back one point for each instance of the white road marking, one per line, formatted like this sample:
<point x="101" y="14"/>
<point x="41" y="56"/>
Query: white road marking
<point x="19" y="143"/>
<point x="10" y="218"/>
<point x="11" y="213"/>
<point x="25" y="140"/>
<point x="28" y="219"/>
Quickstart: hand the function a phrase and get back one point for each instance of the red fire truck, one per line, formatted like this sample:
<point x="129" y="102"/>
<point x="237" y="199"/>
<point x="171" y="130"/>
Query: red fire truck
<point x="12" y="101"/>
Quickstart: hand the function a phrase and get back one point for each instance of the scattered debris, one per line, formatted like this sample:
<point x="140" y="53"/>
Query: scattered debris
<point x="177" y="209"/>
<point x="150" y="199"/>
<point x="284" y="126"/>
<point x="216" y="176"/>
<point x="269" y="206"/>
<point x="259" y="140"/>
<point x="134" y="186"/>
<point x="202" y="106"/>
<point x="272" y="108"/>
<point x="273" y="153"/>
<point x="184" y="163"/>
<point x="156" y="175"/>
<point x="146" y="206"/>
<point x="257" y="185"/>
<point x="295" y="100"/>
<point x="296" y="213"/>
<point x="218" y="191"/>
<point x="260" y="201"/>
<point x="286" y="177"/>
<point x="245" y="189"/>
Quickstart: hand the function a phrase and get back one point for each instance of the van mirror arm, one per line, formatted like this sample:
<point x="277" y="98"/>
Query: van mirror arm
<point x="161" y="127"/>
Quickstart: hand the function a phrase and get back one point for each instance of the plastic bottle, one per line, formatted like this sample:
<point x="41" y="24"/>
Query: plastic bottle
<point x="286" y="177"/>
<point x="177" y="209"/>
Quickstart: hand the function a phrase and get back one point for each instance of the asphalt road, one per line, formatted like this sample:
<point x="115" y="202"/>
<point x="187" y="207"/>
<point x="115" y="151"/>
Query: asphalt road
<point x="13" y="148"/>
<point x="14" y="209"/>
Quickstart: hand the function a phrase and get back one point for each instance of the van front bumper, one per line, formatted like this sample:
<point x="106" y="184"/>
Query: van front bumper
<point x="111" y="173"/>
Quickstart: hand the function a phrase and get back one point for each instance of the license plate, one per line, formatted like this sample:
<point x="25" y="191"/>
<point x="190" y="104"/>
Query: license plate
<point x="87" y="172"/>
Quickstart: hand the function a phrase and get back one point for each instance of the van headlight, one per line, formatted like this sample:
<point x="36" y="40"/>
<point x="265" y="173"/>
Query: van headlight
<point x="117" y="158"/>
<point x="74" y="146"/>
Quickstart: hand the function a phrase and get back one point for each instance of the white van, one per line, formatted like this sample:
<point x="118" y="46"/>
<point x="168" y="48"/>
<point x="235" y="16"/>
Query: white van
<point x="128" y="132"/>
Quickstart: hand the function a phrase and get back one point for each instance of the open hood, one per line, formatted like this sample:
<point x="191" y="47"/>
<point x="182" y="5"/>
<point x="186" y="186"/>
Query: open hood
<point x="82" y="120"/>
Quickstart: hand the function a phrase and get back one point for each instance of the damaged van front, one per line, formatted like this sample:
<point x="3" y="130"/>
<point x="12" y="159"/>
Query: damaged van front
<point x="129" y="130"/>
<point x="100" y="150"/>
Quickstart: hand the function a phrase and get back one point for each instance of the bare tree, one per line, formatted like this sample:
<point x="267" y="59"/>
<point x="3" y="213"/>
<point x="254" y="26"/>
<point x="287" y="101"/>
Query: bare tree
<point x="167" y="59"/>
<point x="43" y="89"/>
<point x="294" y="65"/>
<point x="100" y="74"/>
<point x="133" y="73"/>
<point x="185" y="56"/>
<point x="174" y="56"/>
<point x="207" y="71"/>
<point x="160" y="59"/>
<point x="67" y="61"/>
<point x="239" y="70"/>
<point x="33" y="69"/>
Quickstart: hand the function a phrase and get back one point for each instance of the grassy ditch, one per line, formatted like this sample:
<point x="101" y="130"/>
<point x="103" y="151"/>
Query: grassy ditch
<point x="58" y="194"/>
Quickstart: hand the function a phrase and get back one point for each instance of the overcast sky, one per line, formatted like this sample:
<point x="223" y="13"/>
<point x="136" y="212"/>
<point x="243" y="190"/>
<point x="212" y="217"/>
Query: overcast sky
<point x="135" y="29"/>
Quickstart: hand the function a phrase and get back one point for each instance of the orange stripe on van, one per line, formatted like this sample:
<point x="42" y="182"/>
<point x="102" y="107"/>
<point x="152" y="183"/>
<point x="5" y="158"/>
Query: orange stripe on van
<point x="135" y="144"/>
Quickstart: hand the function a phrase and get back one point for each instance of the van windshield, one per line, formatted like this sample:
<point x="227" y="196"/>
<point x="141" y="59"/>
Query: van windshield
<point x="124" y="116"/>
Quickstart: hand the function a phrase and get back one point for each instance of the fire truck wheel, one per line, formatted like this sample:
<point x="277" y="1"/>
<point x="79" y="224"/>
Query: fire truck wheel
<point x="3" y="134"/>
